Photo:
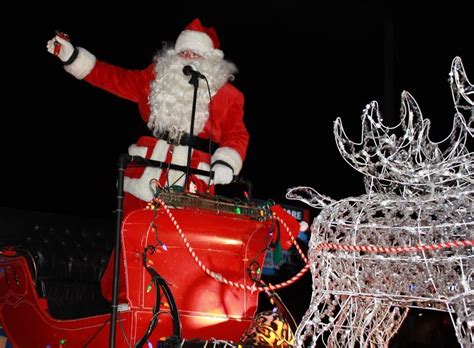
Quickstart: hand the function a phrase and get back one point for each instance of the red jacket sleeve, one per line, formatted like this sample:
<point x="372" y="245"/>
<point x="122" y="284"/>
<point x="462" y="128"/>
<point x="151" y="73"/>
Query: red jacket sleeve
<point x="233" y="139"/>
<point x="234" y="132"/>
<point x="128" y="84"/>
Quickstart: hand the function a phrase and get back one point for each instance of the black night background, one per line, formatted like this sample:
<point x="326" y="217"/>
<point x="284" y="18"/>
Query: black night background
<point x="300" y="66"/>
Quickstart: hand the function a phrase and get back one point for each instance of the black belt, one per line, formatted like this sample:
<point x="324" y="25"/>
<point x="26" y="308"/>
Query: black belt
<point x="204" y="145"/>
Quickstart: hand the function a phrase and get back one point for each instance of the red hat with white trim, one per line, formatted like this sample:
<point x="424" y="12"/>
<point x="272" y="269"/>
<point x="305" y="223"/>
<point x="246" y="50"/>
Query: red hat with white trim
<point x="199" y="39"/>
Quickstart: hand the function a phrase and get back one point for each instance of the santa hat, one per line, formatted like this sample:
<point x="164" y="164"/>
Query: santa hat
<point x="199" y="39"/>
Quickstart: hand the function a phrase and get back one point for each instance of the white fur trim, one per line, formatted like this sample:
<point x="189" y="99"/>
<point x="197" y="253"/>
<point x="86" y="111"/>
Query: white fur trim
<point x="134" y="150"/>
<point x="140" y="188"/>
<point x="205" y="167"/>
<point x="218" y="53"/>
<point x="83" y="64"/>
<point x="192" y="187"/>
<point x="180" y="157"/>
<point x="230" y="156"/>
<point x="195" y="41"/>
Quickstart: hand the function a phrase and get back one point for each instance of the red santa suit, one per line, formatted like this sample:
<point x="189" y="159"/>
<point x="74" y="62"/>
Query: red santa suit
<point x="221" y="120"/>
<point x="225" y="126"/>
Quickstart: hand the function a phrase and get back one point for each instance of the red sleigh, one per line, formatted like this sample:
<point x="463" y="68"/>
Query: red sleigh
<point x="207" y="251"/>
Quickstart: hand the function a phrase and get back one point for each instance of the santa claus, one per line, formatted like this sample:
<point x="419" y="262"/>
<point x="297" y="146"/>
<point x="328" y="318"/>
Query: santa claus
<point x="164" y="97"/>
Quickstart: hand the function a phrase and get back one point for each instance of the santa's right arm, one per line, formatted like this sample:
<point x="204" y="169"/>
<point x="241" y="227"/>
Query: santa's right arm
<point x="84" y="66"/>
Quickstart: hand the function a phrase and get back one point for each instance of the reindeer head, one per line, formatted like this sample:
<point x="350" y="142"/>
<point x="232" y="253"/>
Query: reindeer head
<point x="403" y="159"/>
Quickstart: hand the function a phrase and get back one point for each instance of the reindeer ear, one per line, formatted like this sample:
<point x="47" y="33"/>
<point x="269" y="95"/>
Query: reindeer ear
<point x="463" y="93"/>
<point x="463" y="90"/>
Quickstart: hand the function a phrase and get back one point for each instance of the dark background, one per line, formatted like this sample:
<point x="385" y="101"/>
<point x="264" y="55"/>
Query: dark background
<point x="301" y="66"/>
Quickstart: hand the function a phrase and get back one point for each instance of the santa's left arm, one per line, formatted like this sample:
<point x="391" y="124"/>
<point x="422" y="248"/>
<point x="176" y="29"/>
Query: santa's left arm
<point x="234" y="139"/>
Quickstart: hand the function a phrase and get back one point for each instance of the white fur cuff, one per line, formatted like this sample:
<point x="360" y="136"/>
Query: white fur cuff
<point x="230" y="156"/>
<point x="83" y="64"/>
<point x="134" y="150"/>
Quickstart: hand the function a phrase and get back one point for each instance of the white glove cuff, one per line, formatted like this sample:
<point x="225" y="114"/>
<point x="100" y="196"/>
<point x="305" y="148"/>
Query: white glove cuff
<point x="222" y="163"/>
<point x="72" y="57"/>
<point x="82" y="65"/>
<point x="230" y="157"/>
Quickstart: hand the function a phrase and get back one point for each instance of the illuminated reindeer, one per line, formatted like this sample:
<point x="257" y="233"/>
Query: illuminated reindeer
<point x="407" y="242"/>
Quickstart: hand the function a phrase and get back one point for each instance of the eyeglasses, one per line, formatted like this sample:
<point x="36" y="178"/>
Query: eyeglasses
<point x="189" y="55"/>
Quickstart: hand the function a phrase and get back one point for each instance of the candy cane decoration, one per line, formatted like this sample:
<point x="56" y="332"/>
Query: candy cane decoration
<point x="218" y="276"/>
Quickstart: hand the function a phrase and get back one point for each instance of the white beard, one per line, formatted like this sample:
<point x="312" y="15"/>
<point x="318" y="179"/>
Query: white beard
<point x="171" y="94"/>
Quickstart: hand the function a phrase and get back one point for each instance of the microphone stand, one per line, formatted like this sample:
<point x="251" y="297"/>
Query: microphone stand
<point x="194" y="80"/>
<point x="123" y="161"/>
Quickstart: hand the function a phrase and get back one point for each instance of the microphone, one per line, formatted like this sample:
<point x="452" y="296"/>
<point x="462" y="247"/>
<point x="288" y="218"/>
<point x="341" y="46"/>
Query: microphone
<point x="188" y="71"/>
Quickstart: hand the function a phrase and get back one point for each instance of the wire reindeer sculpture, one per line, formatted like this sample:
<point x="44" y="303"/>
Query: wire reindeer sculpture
<point x="408" y="241"/>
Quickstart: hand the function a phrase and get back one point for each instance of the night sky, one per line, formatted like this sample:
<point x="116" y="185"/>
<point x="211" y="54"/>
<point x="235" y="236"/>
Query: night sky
<point x="300" y="68"/>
